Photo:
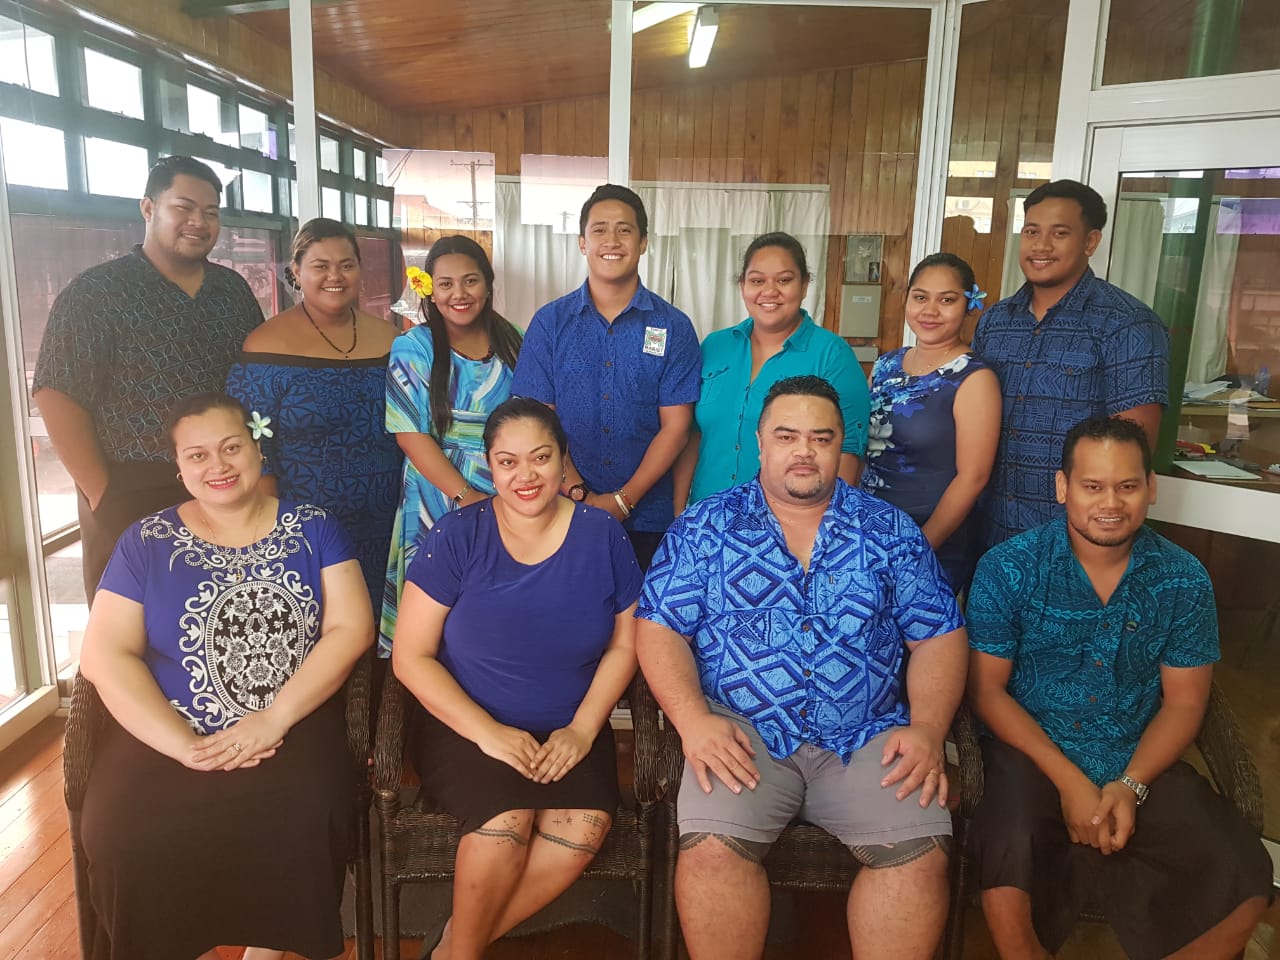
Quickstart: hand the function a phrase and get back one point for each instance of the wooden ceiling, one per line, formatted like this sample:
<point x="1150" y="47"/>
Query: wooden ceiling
<point x="428" y="56"/>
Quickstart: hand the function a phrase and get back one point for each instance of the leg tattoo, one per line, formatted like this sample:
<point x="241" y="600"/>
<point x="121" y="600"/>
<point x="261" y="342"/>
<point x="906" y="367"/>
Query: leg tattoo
<point x="583" y="848"/>
<point x="879" y="856"/>
<point x="753" y="851"/>
<point x="513" y="837"/>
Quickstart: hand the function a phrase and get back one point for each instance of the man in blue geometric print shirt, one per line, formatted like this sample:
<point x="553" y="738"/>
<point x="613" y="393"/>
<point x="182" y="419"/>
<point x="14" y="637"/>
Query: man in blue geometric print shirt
<point x="1093" y="643"/>
<point x="774" y="629"/>
<point x="1066" y="346"/>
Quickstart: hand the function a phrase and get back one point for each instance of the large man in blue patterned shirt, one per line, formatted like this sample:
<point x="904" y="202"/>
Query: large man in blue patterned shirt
<point x="1066" y="346"/>
<point x="1093" y="642"/>
<point x="774" y="628"/>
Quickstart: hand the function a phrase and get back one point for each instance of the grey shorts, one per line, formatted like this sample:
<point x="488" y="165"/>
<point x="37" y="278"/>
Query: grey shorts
<point x="812" y="785"/>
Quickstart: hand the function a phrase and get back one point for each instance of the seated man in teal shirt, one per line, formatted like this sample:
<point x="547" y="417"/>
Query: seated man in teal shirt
<point x="777" y="340"/>
<point x="1093" y="646"/>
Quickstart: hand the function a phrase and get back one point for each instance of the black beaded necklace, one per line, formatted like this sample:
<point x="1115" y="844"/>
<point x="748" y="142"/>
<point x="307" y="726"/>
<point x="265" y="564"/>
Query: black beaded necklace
<point x="355" y="331"/>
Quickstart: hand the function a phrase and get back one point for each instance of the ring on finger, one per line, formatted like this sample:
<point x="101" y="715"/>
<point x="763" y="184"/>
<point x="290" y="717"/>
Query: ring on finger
<point x="237" y="748"/>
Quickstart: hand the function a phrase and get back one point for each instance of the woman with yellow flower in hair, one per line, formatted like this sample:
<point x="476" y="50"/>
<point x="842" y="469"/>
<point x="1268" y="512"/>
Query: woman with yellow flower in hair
<point x="444" y="379"/>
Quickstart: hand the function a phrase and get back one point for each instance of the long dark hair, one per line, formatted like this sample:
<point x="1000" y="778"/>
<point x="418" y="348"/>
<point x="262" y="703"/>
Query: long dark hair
<point x="504" y="339"/>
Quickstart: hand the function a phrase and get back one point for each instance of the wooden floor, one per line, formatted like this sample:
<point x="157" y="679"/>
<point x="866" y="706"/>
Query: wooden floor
<point x="37" y="901"/>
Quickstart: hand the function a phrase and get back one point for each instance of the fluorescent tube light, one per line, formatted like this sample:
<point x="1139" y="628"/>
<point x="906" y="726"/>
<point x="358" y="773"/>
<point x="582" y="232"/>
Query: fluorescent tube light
<point x="704" y="35"/>
<point x="656" y="13"/>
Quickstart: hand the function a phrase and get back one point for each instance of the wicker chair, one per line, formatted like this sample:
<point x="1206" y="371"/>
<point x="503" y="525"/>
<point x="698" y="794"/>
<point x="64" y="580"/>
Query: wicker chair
<point x="1228" y="762"/>
<point x="419" y="844"/>
<point x="804" y="857"/>
<point x="85" y="723"/>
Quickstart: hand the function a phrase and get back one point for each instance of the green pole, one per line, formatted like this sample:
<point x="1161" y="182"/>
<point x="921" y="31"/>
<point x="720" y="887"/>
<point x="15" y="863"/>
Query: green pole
<point x="1213" y="44"/>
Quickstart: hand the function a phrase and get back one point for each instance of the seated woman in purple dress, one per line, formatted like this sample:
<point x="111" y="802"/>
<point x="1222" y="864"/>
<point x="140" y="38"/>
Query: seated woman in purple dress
<point x="516" y="633"/>
<point x="935" y="417"/>
<point x="218" y="809"/>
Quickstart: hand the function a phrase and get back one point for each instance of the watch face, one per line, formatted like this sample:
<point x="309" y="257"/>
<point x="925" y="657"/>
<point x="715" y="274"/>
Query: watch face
<point x="578" y="493"/>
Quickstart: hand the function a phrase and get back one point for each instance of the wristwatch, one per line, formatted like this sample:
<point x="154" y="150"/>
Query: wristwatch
<point x="1141" y="789"/>
<point x="578" y="492"/>
<point x="461" y="495"/>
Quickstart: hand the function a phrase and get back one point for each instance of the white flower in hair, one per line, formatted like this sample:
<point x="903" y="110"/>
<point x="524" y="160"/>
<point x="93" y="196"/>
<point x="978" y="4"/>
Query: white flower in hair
<point x="259" y="426"/>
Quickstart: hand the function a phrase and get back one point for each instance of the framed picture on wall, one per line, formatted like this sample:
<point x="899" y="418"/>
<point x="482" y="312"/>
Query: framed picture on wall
<point x="862" y="255"/>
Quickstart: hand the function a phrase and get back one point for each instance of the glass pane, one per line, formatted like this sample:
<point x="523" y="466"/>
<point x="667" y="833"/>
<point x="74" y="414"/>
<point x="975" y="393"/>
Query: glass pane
<point x="34" y="156"/>
<point x="293" y="198"/>
<point x="258" y="190"/>
<point x="293" y="147"/>
<point x="362" y="210"/>
<point x="68" y="609"/>
<point x="209" y="114"/>
<point x="1006" y="104"/>
<point x="1200" y="247"/>
<point x="255" y="255"/>
<point x="382" y="213"/>
<point x="359" y="164"/>
<point x="11" y="685"/>
<point x="257" y="132"/>
<point x="329" y="154"/>
<point x="376" y="293"/>
<point x="1175" y="39"/>
<point x="115" y="169"/>
<point x="331" y="203"/>
<point x="380" y="168"/>
<point x="112" y="85"/>
<point x="27" y="57"/>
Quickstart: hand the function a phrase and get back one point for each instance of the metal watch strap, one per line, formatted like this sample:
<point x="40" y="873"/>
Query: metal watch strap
<point x="1140" y="789"/>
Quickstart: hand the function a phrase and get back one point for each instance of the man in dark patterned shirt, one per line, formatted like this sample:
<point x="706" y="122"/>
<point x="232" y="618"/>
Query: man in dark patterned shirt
<point x="125" y="341"/>
<point x="1066" y="346"/>
<point x="774" y="627"/>
<point x="1093" y="647"/>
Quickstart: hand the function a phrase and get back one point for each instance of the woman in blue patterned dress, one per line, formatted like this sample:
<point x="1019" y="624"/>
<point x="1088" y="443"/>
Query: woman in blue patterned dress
<point x="445" y="378"/>
<point x="935" y="417"/>
<point x="317" y="371"/>
<point x="218" y="809"/>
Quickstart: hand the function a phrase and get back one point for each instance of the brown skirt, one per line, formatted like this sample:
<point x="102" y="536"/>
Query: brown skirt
<point x="181" y="861"/>
<point x="460" y="780"/>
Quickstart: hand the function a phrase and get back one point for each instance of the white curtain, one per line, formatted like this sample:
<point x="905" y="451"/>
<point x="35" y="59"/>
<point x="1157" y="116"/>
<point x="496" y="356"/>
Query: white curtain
<point x="1136" y="238"/>
<point x="1208" y="356"/>
<point x="697" y="235"/>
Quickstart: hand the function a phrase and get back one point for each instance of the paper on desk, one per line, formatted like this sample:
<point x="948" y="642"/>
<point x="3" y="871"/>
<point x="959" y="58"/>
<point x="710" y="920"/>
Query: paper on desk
<point x="1201" y="391"/>
<point x="1215" y="470"/>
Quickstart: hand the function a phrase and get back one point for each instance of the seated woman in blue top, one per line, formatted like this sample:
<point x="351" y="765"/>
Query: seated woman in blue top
<point x="517" y="635"/>
<point x="935" y="417"/>
<point x="218" y="809"/>
<point x="777" y="340"/>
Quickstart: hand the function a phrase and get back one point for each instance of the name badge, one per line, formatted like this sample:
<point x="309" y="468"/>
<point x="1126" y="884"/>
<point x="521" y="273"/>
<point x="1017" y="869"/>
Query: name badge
<point x="655" y="341"/>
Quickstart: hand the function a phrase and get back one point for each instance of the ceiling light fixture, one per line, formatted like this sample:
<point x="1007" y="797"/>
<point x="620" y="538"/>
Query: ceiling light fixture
<point x="705" y="26"/>
<point x="656" y="13"/>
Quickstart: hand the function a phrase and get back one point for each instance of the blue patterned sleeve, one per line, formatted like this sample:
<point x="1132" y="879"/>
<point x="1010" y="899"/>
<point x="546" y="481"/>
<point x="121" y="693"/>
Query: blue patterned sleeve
<point x="254" y="385"/>
<point x="1193" y="639"/>
<point x="1137" y="364"/>
<point x="845" y="374"/>
<point x="438" y="566"/>
<point x="534" y="374"/>
<point x="682" y="374"/>
<point x="924" y="605"/>
<point x="990" y="610"/>
<point x="408" y="383"/>
<point x="675" y="589"/>
<point x="126" y="572"/>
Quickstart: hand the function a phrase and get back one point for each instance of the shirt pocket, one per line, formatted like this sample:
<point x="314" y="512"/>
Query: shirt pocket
<point x="1074" y="376"/>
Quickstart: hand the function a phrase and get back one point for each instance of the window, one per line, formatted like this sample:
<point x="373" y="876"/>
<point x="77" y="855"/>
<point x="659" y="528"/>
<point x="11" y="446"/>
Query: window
<point x="382" y="211"/>
<point x="257" y="191"/>
<point x="329" y="155"/>
<point x="257" y="132"/>
<point x="115" y="169"/>
<point x="27" y="58"/>
<point x="11" y="685"/>
<point x="331" y="203"/>
<point x="380" y="166"/>
<point x="112" y="85"/>
<point x="362" y="211"/>
<point x="359" y="164"/>
<point x="34" y="156"/>
<point x="210" y="115"/>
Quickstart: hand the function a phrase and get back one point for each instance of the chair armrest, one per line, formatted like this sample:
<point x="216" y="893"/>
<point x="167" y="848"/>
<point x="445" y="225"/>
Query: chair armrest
<point x="1228" y="761"/>
<point x="964" y="731"/>
<point x="84" y="723"/>
<point x="648" y="741"/>
<point x="357" y="698"/>
<point x="388" y="748"/>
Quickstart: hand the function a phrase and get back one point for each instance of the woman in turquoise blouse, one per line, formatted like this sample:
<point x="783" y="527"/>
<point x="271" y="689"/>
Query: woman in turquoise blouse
<point x="777" y="340"/>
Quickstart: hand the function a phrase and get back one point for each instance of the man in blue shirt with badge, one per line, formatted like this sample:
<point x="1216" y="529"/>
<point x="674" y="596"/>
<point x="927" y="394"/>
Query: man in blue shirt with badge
<point x="622" y="368"/>
<point x="1066" y="346"/>
<point x="774" y="629"/>
<point x="1093" y="642"/>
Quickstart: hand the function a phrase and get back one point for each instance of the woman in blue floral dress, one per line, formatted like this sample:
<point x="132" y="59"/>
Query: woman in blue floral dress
<point x="445" y="377"/>
<point x="935" y="417"/>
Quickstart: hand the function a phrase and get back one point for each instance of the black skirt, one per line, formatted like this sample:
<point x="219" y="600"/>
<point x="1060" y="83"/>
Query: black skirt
<point x="460" y="780"/>
<point x="180" y="861"/>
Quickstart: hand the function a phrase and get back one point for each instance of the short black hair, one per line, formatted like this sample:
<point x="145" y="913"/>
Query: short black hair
<point x="1093" y="208"/>
<point x="524" y="408"/>
<point x="961" y="266"/>
<point x="614" y="191"/>
<point x="199" y="403"/>
<point x="777" y="239"/>
<point x="1102" y="427"/>
<point x="802" y="386"/>
<point x="161" y="176"/>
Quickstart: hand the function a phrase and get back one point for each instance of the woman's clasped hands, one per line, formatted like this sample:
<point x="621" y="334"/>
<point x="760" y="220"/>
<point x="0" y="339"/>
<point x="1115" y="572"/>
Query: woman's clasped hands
<point x="246" y="744"/>
<point x="542" y="763"/>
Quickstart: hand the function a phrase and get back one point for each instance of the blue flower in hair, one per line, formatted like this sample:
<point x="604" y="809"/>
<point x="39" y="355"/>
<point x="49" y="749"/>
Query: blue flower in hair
<point x="975" y="297"/>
